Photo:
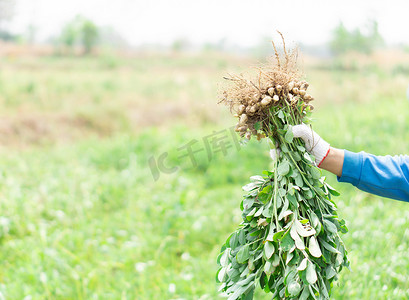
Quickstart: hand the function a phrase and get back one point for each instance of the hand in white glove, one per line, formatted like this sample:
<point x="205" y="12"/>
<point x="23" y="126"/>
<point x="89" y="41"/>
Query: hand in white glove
<point x="313" y="142"/>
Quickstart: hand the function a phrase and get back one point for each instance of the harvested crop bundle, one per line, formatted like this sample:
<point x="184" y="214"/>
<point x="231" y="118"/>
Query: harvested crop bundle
<point x="288" y="242"/>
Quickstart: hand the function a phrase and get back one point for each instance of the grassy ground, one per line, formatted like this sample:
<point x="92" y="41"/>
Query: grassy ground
<point x="83" y="218"/>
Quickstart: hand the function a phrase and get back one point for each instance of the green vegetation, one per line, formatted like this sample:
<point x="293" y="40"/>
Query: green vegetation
<point x="344" y="40"/>
<point x="80" y="31"/>
<point x="82" y="218"/>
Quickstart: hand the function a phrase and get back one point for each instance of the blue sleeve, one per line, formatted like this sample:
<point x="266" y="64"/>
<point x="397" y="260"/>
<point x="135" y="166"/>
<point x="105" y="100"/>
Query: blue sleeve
<point x="384" y="176"/>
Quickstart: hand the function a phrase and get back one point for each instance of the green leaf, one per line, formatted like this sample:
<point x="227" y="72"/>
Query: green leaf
<point x="257" y="126"/>
<point x="278" y="235"/>
<point x="304" y="230"/>
<point x="303" y="265"/>
<point x="237" y="293"/>
<point x="301" y="148"/>
<point x="251" y="214"/>
<point x="249" y="294"/>
<point x="258" y="213"/>
<point x="263" y="197"/>
<point x="330" y="226"/>
<point x="268" y="268"/>
<point x="308" y="194"/>
<point x="270" y="236"/>
<point x="234" y="274"/>
<point x="329" y="247"/>
<point x="224" y="259"/>
<point x="257" y="179"/>
<point x="283" y="168"/>
<point x="299" y="181"/>
<point x="267" y="212"/>
<point x="284" y="148"/>
<point x="312" y="292"/>
<point x="282" y="192"/>
<point x="314" y="247"/>
<point x="298" y="241"/>
<point x="267" y="189"/>
<point x="284" y="209"/>
<point x="314" y="219"/>
<point x="276" y="260"/>
<point x="294" y="288"/>
<point x="330" y="272"/>
<point x="248" y="187"/>
<point x="221" y="274"/>
<point x="315" y="173"/>
<point x="268" y="249"/>
<point x="246" y="280"/>
<point x="234" y="240"/>
<point x="296" y="156"/>
<point x="281" y="115"/>
<point x="255" y="233"/>
<point x="305" y="294"/>
<point x="262" y="279"/>
<point x="287" y="242"/>
<point x="311" y="273"/>
<point x="333" y="191"/>
<point x="253" y="223"/>
<point x="308" y="157"/>
<point x="289" y="136"/>
<point x="242" y="237"/>
<point x="243" y="254"/>
<point x="289" y="257"/>
<point x="293" y="201"/>
<point x="250" y="263"/>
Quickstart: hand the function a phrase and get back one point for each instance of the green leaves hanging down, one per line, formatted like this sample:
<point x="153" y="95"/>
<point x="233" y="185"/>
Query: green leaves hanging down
<point x="304" y="230"/>
<point x="268" y="249"/>
<point x="265" y="194"/>
<point x="311" y="274"/>
<point x="303" y="265"/>
<point x="315" y="173"/>
<point x="314" y="247"/>
<point x="243" y="254"/>
<point x="299" y="243"/>
<point x="294" y="288"/>
<point x="289" y="136"/>
<point x="288" y="242"/>
<point x="283" y="168"/>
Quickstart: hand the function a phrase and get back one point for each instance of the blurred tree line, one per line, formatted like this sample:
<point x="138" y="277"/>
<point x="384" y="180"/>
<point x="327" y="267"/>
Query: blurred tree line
<point x="344" y="40"/>
<point x="83" y="35"/>
<point x="6" y="13"/>
<point x="79" y="32"/>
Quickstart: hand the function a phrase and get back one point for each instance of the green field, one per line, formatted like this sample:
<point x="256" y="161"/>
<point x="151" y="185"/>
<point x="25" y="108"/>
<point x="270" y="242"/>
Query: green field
<point x="83" y="218"/>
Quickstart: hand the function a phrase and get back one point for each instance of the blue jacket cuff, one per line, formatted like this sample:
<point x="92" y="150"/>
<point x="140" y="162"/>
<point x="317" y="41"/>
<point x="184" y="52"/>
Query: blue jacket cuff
<point x="352" y="168"/>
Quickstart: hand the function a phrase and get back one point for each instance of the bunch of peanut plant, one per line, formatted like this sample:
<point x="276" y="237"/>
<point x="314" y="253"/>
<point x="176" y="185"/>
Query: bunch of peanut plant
<point x="288" y="243"/>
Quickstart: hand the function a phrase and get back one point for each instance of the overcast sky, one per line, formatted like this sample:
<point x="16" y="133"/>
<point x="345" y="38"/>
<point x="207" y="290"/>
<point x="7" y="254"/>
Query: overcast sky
<point x="242" y="22"/>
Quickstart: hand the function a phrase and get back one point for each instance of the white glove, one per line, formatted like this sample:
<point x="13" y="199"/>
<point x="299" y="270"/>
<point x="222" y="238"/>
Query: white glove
<point x="313" y="142"/>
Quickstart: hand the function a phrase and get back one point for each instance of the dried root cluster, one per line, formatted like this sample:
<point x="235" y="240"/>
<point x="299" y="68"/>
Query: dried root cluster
<point x="277" y="84"/>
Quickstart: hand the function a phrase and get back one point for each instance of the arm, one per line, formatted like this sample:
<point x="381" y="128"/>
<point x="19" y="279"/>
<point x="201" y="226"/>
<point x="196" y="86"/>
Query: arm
<point x="334" y="161"/>
<point x="384" y="176"/>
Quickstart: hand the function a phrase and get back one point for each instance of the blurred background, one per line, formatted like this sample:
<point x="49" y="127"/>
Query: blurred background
<point x="120" y="176"/>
